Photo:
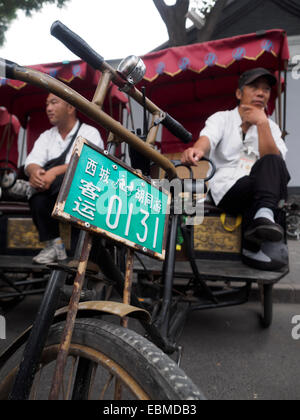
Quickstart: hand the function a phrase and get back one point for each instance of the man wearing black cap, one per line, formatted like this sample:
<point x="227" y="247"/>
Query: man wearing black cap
<point x="248" y="151"/>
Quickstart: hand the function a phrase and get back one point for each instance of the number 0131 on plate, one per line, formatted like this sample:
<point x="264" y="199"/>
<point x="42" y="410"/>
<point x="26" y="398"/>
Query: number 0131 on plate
<point x="103" y="195"/>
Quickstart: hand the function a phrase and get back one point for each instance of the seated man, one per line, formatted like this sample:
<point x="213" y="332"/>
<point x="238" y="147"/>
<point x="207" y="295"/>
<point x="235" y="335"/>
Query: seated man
<point x="44" y="185"/>
<point x="248" y="151"/>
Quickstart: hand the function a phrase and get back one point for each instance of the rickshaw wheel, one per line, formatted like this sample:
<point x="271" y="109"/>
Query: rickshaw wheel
<point x="6" y="167"/>
<point x="105" y="361"/>
<point x="267" y="304"/>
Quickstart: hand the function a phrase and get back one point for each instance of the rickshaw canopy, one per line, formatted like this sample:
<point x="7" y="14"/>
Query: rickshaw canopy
<point x="27" y="102"/>
<point x="194" y="81"/>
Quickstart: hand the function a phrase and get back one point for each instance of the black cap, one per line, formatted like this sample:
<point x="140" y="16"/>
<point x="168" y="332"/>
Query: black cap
<point x="250" y="75"/>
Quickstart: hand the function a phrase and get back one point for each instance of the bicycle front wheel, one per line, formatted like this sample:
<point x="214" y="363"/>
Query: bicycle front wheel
<point x="108" y="362"/>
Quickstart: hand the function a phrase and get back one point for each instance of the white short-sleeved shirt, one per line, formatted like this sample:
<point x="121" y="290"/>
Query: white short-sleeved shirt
<point x="224" y="132"/>
<point x="50" y="144"/>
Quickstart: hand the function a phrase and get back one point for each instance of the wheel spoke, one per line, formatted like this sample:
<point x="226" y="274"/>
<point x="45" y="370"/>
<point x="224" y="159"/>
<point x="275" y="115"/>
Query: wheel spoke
<point x="106" y="361"/>
<point x="118" y="390"/>
<point x="93" y="376"/>
<point x="74" y="360"/>
<point x="108" y="382"/>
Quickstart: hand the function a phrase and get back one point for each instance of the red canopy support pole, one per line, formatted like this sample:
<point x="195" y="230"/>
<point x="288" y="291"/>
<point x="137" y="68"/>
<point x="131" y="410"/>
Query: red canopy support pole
<point x="279" y="101"/>
<point x="284" y="132"/>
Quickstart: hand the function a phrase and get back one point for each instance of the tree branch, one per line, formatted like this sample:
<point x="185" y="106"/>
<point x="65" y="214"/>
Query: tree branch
<point x="212" y="19"/>
<point x="9" y="8"/>
<point x="174" y="18"/>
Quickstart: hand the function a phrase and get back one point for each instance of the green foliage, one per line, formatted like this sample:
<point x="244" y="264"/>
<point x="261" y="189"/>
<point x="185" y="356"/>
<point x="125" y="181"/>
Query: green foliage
<point x="9" y="9"/>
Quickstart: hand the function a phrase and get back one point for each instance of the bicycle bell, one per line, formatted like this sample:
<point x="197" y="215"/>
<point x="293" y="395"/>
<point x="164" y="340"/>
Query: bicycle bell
<point x="132" y="69"/>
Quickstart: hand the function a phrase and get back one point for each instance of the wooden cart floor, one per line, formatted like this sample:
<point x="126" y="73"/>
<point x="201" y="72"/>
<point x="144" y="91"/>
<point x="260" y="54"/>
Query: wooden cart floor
<point x="213" y="270"/>
<point x="208" y="269"/>
<point x="20" y="264"/>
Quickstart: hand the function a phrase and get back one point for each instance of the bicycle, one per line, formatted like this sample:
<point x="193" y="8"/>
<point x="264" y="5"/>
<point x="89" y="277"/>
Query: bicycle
<point x="76" y="330"/>
<point x="292" y="219"/>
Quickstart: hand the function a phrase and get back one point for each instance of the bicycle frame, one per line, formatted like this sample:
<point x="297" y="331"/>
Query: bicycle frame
<point x="164" y="329"/>
<point x="46" y="313"/>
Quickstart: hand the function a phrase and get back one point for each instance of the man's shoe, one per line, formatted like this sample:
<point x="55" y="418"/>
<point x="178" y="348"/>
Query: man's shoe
<point x="272" y="256"/>
<point x="50" y="254"/>
<point x="263" y="229"/>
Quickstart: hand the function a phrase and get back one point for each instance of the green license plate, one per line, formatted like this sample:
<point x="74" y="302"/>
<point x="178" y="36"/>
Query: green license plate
<point x="101" y="194"/>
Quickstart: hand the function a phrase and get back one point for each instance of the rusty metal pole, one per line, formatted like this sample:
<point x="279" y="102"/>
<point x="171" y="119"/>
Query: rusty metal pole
<point x="86" y="240"/>
<point x="128" y="283"/>
<point x="70" y="322"/>
<point x="126" y="301"/>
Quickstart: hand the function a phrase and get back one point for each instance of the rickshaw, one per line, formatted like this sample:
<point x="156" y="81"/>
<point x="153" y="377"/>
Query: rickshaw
<point x="19" y="239"/>
<point x="191" y="83"/>
<point x="190" y="277"/>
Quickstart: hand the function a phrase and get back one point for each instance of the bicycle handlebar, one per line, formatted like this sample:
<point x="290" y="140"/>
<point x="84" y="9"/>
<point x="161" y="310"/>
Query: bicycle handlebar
<point x="207" y="178"/>
<point x="14" y="71"/>
<point x="177" y="129"/>
<point x="79" y="47"/>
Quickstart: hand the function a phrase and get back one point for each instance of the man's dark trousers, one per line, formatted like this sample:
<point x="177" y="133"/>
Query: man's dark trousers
<point x="265" y="186"/>
<point x="41" y="205"/>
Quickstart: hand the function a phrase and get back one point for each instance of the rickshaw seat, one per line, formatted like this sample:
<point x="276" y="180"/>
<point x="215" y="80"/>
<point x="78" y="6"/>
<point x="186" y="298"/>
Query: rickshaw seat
<point x="19" y="235"/>
<point x="14" y="207"/>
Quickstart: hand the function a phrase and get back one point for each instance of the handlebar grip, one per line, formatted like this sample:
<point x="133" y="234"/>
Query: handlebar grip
<point x="77" y="45"/>
<point x="7" y="68"/>
<point x="177" y="129"/>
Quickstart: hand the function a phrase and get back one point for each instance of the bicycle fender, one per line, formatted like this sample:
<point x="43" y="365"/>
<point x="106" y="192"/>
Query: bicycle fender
<point x="113" y="308"/>
<point x="89" y="308"/>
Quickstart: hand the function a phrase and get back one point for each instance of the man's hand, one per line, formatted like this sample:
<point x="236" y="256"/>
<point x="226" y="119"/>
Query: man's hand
<point x="253" y="115"/>
<point x="36" y="178"/>
<point x="40" y="179"/>
<point x="48" y="179"/>
<point x="256" y="116"/>
<point x="191" y="156"/>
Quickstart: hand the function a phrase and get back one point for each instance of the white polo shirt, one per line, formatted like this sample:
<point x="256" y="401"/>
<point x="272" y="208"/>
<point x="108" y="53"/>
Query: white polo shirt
<point x="50" y="144"/>
<point x="226" y="140"/>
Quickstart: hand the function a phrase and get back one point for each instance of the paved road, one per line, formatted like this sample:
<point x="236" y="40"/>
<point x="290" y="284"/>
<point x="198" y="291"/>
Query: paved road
<point x="226" y="352"/>
<point x="288" y="289"/>
<point x="230" y="357"/>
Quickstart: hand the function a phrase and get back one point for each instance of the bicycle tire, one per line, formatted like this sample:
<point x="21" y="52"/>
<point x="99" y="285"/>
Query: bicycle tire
<point x="267" y="302"/>
<point x="135" y="361"/>
<point x="293" y="225"/>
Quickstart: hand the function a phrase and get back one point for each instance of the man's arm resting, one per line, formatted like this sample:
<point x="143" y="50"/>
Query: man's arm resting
<point x="253" y="115"/>
<point x="35" y="174"/>
<point x="52" y="173"/>
<point x="267" y="143"/>
<point x="32" y="168"/>
<point x="57" y="170"/>
<point x="41" y="179"/>
<point x="192" y="155"/>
